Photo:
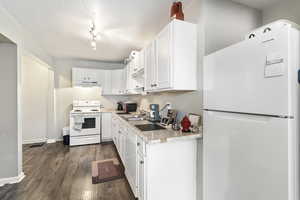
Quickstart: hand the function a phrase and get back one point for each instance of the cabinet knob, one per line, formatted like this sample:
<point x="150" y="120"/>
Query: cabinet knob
<point x="138" y="144"/>
<point x="141" y="162"/>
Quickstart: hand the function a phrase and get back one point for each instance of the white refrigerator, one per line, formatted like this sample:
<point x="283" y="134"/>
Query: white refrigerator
<point x="251" y="117"/>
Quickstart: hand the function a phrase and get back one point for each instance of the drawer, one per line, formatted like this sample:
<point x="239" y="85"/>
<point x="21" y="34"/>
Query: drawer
<point x="141" y="147"/>
<point x="82" y="140"/>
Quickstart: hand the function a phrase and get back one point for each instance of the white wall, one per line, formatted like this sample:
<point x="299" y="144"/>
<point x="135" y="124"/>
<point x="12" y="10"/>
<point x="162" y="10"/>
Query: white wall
<point x="65" y="94"/>
<point x="8" y="114"/>
<point x="288" y="9"/>
<point x="227" y="22"/>
<point x="22" y="37"/>
<point x="15" y="32"/>
<point x="37" y="102"/>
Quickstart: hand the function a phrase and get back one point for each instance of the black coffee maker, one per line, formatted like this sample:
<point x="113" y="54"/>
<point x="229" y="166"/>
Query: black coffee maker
<point x="120" y="106"/>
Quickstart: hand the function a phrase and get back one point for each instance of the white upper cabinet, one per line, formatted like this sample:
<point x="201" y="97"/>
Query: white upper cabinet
<point x="142" y="59"/>
<point x="136" y="63"/>
<point x="117" y="81"/>
<point x="107" y="85"/>
<point x="84" y="77"/>
<point x="163" y="58"/>
<point x="150" y="67"/>
<point x="175" y="65"/>
<point x="169" y="63"/>
<point x="134" y="82"/>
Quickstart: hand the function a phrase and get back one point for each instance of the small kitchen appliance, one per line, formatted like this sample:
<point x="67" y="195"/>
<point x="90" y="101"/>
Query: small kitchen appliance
<point x="154" y="113"/>
<point x="120" y="106"/>
<point x="130" y="107"/>
<point x="169" y="118"/>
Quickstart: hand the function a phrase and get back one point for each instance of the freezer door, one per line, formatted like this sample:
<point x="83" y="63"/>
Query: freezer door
<point x="245" y="157"/>
<point x="250" y="77"/>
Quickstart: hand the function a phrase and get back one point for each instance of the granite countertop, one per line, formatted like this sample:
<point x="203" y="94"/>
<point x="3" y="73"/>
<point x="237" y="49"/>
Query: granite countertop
<point x="159" y="136"/>
<point x="107" y="110"/>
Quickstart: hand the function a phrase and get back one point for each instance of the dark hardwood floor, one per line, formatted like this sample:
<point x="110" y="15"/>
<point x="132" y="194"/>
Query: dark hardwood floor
<point x="56" y="172"/>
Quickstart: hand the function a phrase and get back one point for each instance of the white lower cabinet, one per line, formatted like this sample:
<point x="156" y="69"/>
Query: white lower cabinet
<point x="168" y="171"/>
<point x="130" y="159"/>
<point x="106" y="127"/>
<point x="122" y="143"/>
<point x="114" y="129"/>
<point x="157" y="171"/>
<point x="141" y="177"/>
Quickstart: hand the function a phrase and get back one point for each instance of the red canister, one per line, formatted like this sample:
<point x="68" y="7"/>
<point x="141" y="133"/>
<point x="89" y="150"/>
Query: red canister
<point x="186" y="124"/>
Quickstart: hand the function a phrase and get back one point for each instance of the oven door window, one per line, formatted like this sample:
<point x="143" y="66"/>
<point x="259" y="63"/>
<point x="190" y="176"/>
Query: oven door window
<point x="89" y="123"/>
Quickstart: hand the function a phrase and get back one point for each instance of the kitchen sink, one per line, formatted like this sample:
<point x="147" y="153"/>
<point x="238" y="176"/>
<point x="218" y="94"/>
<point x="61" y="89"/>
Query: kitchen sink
<point x="149" y="127"/>
<point x="133" y="118"/>
<point x="123" y="113"/>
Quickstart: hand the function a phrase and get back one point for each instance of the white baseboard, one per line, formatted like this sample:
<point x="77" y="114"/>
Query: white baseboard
<point x="50" y="141"/>
<point x="34" y="141"/>
<point x="12" y="180"/>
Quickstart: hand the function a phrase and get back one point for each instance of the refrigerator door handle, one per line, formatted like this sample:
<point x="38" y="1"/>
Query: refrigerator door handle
<point x="299" y="76"/>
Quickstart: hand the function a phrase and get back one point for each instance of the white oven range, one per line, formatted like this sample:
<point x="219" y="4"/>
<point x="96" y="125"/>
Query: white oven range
<point x="85" y="123"/>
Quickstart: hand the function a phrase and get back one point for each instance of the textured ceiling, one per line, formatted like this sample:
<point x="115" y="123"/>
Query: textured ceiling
<point x="61" y="26"/>
<point x="259" y="4"/>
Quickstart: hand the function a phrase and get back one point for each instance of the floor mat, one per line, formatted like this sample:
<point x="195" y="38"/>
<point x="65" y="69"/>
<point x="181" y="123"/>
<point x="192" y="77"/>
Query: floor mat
<point x="106" y="170"/>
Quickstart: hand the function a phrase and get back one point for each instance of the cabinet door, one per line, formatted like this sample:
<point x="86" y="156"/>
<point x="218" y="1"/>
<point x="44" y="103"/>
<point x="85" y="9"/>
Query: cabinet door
<point x="142" y="59"/>
<point x="123" y="146"/>
<point x="141" y="178"/>
<point x="106" y="127"/>
<point x="150" y="67"/>
<point x="117" y="81"/>
<point x="91" y="75"/>
<point x="128" y="77"/>
<point x="79" y="76"/>
<point x="136" y="63"/>
<point x="114" y="130"/>
<point x="119" y="135"/>
<point x="106" y="88"/>
<point x="75" y="76"/>
<point x="163" y="55"/>
<point x="131" y="158"/>
<point x="132" y="84"/>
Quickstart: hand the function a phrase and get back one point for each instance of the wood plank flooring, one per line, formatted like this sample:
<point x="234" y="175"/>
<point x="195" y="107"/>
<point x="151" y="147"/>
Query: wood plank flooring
<point x="56" y="172"/>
